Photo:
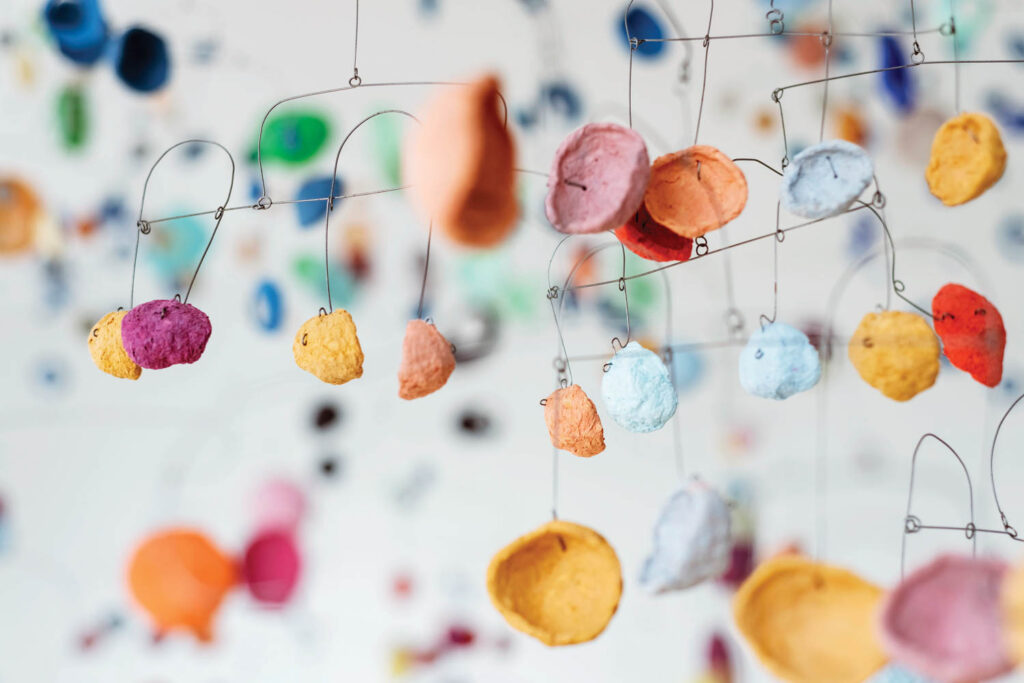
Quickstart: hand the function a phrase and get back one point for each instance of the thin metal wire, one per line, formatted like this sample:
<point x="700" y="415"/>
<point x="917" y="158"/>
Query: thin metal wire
<point x="360" y="84"/>
<point x="991" y="467"/>
<point x="330" y="200"/>
<point x="792" y="34"/>
<point x="625" y="297"/>
<point x="779" y="238"/>
<point x="826" y="41"/>
<point x="145" y="226"/>
<point x="898" y="67"/>
<point x="704" y="80"/>
<point x="355" y="80"/>
<point x="911" y="523"/>
<point x="956" y="57"/>
<point x="426" y="267"/>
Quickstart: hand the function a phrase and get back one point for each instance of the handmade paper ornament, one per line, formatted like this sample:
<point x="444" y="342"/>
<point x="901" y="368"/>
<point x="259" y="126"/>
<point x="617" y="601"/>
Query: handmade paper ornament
<point x="1012" y="599"/>
<point x="107" y="349"/>
<point x="20" y="213"/>
<point x="637" y="390"/>
<point x="896" y="353"/>
<point x="597" y="179"/>
<point x="967" y="158"/>
<point x="165" y="332"/>
<point x="460" y="165"/>
<point x="560" y="583"/>
<point x="972" y="332"/>
<point x="825" y="179"/>
<point x="427" y="361"/>
<point x="779" y="361"/>
<point x="271" y="566"/>
<point x="810" y="622"/>
<point x="179" y="577"/>
<point x="648" y="239"/>
<point x="692" y="540"/>
<point x="945" y="620"/>
<point x="327" y="346"/>
<point x="695" y="191"/>
<point x="573" y="422"/>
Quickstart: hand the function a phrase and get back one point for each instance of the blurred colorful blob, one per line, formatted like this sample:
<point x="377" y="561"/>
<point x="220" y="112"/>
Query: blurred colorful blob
<point x="387" y="144"/>
<point x="73" y="116"/>
<point x="280" y="504"/>
<point x="555" y="97"/>
<point x="141" y="60"/>
<point x="271" y="567"/>
<point x="79" y="29"/>
<point x="312" y="212"/>
<point x="1010" y="237"/>
<point x="309" y="270"/>
<point x="687" y="369"/>
<point x="898" y="85"/>
<point x="179" y="577"/>
<point x="641" y="23"/>
<point x="21" y="213"/>
<point x="1009" y="114"/>
<point x="293" y="137"/>
<point x="175" y="246"/>
<point x="268" y="305"/>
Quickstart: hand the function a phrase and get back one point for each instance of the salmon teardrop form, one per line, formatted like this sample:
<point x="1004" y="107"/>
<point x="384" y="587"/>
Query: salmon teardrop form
<point x="427" y="361"/>
<point x="573" y="422"/>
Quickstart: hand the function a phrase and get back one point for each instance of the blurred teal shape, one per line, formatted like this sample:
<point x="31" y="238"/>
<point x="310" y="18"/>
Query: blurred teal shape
<point x="387" y="146"/>
<point x="309" y="270"/>
<point x="293" y="137"/>
<point x="173" y="248"/>
<point x="73" y="116"/>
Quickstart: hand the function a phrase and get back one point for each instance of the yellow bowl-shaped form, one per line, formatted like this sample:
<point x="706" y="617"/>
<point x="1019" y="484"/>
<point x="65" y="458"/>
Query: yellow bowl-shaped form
<point x="896" y="353"/>
<point x="327" y="346"/>
<point x="107" y="349"/>
<point x="967" y="158"/>
<point x="560" y="583"/>
<point x="809" y="622"/>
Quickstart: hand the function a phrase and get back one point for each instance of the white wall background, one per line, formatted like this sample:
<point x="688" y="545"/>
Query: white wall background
<point x="89" y="468"/>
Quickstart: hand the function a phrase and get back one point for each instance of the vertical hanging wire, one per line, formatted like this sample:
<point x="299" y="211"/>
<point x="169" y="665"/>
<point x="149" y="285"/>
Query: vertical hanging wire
<point x="956" y="56"/>
<point x="669" y="359"/>
<point x="355" y="80"/>
<point x="426" y="267"/>
<point x="704" y="81"/>
<point x="826" y="40"/>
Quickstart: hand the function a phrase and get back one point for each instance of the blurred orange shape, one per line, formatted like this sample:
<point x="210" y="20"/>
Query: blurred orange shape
<point x="179" y="577"/>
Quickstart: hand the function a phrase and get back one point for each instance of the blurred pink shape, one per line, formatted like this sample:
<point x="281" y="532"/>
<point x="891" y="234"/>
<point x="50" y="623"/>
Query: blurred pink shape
<point x="271" y="566"/>
<point x="280" y="504"/>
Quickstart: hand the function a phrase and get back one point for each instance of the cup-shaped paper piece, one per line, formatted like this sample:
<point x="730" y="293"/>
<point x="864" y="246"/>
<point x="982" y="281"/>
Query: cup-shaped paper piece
<point x="597" y="179"/>
<point x="824" y="179"/>
<point x="460" y="165"/>
<point x="165" y="332"/>
<point x="427" y="361"/>
<point x="972" y="332"/>
<point x="779" y="361"/>
<point x="20" y="215"/>
<point x="967" y="158"/>
<point x="692" y="540"/>
<point x="810" y="622"/>
<point x="637" y="390"/>
<point x="142" y="61"/>
<point x="695" y="191"/>
<point x="648" y="239"/>
<point x="271" y="566"/>
<point x="573" y="422"/>
<point x="179" y="577"/>
<point x="945" y="620"/>
<point x="560" y="583"/>
<point x="896" y="353"/>
<point x="107" y="349"/>
<point x="327" y="346"/>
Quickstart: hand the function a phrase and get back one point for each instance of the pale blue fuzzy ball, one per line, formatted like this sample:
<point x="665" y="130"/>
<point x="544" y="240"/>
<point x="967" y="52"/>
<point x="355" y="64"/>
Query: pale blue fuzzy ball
<point x="824" y="179"/>
<point x="778" y="362"/>
<point x="637" y="390"/>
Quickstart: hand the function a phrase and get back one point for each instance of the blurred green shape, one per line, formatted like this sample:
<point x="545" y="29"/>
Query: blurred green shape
<point x="72" y="117"/>
<point x="293" y="137"/>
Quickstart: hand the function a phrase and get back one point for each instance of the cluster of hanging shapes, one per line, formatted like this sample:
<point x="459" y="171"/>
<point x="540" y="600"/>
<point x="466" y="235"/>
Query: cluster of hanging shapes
<point x="562" y="582"/>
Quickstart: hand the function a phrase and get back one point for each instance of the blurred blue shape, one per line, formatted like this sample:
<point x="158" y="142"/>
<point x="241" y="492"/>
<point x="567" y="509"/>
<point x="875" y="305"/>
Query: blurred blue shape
<point x="141" y="60"/>
<point x="897" y="84"/>
<point x="687" y="370"/>
<point x="642" y="24"/>
<point x="863" y="235"/>
<point x="1010" y="237"/>
<point x="312" y="212"/>
<point x="1009" y="114"/>
<point x="268" y="306"/>
<point x="79" y="29"/>
<point x="558" y="97"/>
